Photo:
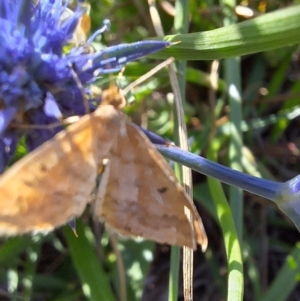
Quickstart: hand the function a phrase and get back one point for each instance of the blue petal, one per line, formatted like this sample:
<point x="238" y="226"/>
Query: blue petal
<point x="8" y="146"/>
<point x="35" y="137"/>
<point x="6" y="116"/>
<point x="51" y="108"/>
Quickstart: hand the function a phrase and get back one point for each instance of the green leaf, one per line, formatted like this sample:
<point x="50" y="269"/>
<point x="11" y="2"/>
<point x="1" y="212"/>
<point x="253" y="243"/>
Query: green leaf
<point x="270" y="31"/>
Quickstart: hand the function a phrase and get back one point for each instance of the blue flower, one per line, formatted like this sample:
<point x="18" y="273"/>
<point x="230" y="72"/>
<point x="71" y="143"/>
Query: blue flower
<point x="39" y="83"/>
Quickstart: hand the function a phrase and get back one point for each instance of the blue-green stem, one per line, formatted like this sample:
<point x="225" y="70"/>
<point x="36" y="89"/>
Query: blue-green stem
<point x="286" y="195"/>
<point x="265" y="188"/>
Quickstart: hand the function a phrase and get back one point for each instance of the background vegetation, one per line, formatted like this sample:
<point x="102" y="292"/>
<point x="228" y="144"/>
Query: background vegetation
<point x="266" y="70"/>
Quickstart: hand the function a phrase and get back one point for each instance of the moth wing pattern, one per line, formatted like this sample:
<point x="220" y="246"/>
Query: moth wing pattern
<point x="140" y="196"/>
<point x="51" y="184"/>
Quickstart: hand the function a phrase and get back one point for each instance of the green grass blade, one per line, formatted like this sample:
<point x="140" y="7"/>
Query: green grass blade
<point x="270" y="31"/>
<point x="235" y="287"/>
<point x="174" y="273"/>
<point x="232" y="68"/>
<point x="12" y="247"/>
<point x="30" y="270"/>
<point x="288" y="277"/>
<point x="95" y="283"/>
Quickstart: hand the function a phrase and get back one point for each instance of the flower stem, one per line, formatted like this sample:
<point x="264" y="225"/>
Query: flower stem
<point x="262" y="187"/>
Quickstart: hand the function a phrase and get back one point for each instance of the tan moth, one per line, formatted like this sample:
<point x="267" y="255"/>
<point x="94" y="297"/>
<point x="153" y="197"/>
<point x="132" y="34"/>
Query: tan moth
<point x="138" y="194"/>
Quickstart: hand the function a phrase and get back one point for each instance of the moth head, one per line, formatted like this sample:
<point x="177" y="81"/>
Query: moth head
<point x="114" y="96"/>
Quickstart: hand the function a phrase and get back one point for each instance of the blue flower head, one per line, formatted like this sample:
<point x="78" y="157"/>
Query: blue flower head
<point x="39" y="83"/>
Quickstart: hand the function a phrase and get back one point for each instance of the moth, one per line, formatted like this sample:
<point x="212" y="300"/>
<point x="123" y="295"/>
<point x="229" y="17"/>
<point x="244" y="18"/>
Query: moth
<point x="138" y="194"/>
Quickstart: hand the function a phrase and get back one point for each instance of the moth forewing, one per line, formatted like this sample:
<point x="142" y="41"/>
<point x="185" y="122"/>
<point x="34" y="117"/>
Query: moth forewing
<point x="52" y="184"/>
<point x="140" y="196"/>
